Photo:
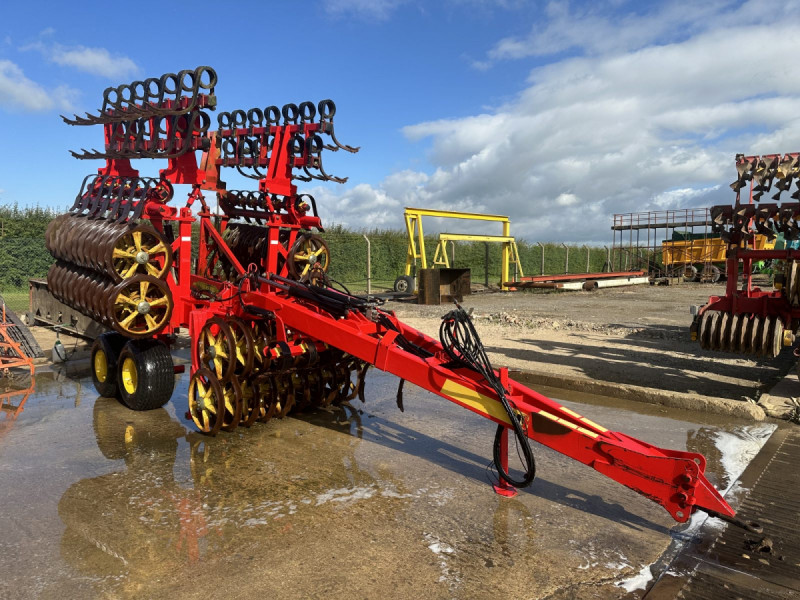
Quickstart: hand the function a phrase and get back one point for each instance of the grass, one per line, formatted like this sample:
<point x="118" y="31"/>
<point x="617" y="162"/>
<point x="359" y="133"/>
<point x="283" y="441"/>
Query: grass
<point x="16" y="299"/>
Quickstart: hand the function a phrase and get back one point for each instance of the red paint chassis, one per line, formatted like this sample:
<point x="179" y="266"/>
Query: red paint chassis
<point x="671" y="478"/>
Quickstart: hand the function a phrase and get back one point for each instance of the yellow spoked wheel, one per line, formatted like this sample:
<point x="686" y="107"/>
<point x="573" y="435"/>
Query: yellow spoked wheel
<point x="243" y="347"/>
<point x="232" y="404"/>
<point x="251" y="403"/>
<point x="263" y="336"/>
<point x="310" y="252"/>
<point x="140" y="306"/>
<point x="216" y="348"/>
<point x="141" y="251"/>
<point x="285" y="394"/>
<point x="206" y="401"/>
<point x="267" y="397"/>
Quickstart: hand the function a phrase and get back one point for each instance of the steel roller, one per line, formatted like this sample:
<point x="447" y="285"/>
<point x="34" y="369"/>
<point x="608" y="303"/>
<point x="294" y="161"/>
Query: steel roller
<point x="137" y="307"/>
<point x="111" y="249"/>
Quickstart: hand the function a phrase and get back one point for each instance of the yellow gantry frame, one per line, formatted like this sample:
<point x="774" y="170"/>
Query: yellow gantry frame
<point x="416" y="239"/>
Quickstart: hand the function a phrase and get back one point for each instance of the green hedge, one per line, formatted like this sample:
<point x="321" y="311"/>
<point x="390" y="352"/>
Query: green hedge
<point x="23" y="254"/>
<point x="22" y="251"/>
<point x="389" y="247"/>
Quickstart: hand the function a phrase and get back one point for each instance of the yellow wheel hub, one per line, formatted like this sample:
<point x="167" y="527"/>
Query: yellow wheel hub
<point x="100" y="366"/>
<point x="130" y="376"/>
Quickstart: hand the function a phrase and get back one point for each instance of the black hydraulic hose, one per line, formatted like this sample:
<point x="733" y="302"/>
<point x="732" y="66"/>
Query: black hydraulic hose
<point x="463" y="345"/>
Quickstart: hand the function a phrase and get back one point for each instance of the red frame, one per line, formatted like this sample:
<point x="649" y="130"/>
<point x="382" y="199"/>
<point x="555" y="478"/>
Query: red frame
<point x="671" y="478"/>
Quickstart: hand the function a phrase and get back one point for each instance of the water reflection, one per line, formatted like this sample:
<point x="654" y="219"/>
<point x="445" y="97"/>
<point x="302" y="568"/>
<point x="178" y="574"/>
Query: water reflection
<point x="13" y="396"/>
<point x="180" y="498"/>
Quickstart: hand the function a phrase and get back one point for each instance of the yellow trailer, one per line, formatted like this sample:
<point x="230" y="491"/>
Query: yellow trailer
<point x="703" y="259"/>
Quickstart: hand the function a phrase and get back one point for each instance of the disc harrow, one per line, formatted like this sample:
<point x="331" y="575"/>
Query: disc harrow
<point x="259" y="378"/>
<point x="270" y="335"/>
<point x="741" y="333"/>
<point x="750" y="320"/>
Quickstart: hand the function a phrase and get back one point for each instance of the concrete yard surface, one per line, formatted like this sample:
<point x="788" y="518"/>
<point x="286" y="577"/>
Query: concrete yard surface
<point x="630" y="342"/>
<point x="361" y="501"/>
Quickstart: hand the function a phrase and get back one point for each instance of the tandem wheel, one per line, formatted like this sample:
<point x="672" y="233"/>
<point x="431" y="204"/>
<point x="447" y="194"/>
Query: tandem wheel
<point x="138" y="372"/>
<point x="105" y="353"/>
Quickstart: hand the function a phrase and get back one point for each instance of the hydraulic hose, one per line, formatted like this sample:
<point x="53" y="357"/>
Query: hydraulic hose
<point x="463" y="345"/>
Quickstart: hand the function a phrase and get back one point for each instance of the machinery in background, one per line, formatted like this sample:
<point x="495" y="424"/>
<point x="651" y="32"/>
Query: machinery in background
<point x="703" y="257"/>
<point x="18" y="348"/>
<point x="269" y="334"/>
<point x="749" y="319"/>
<point x="416" y="245"/>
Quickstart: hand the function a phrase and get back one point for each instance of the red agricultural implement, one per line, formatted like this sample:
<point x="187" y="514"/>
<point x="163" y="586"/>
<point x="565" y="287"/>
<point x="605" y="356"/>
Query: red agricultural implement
<point x="748" y="319"/>
<point x="270" y="334"/>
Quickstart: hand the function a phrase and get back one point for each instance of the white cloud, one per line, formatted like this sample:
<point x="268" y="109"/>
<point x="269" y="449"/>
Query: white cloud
<point x="17" y="92"/>
<point x="590" y="136"/>
<point x="97" y="61"/>
<point x="604" y="27"/>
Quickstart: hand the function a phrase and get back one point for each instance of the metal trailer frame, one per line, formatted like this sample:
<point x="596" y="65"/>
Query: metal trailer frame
<point x="416" y="240"/>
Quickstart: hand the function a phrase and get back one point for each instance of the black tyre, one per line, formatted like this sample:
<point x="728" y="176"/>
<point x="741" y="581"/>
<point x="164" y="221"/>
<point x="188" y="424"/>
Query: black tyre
<point x="404" y="284"/>
<point x="145" y="374"/>
<point x="105" y="354"/>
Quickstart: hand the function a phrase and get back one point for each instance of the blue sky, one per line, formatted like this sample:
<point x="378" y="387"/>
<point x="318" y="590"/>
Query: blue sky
<point x="557" y="114"/>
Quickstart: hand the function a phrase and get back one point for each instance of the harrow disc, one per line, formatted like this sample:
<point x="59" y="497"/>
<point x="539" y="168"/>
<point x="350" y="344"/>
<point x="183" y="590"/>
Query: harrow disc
<point x="216" y="348"/>
<point x="267" y="397"/>
<point x="206" y="402"/>
<point x="776" y="339"/>
<point x="745" y="341"/>
<point x="716" y="331"/>
<point x="755" y="335"/>
<point x="140" y="306"/>
<point x="736" y="332"/>
<point x="725" y="331"/>
<point x="263" y="335"/>
<point x="309" y="252"/>
<point x="243" y="347"/>
<point x="793" y="289"/>
<point x="285" y="394"/>
<point x="251" y="403"/>
<point x="232" y="400"/>
<point x="706" y="325"/>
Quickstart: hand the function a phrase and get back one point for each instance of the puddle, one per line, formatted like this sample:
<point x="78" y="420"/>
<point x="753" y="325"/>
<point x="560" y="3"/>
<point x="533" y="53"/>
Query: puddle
<point x="361" y="500"/>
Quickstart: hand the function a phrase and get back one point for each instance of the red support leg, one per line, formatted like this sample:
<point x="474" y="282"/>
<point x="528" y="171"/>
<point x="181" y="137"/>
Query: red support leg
<point x="502" y="487"/>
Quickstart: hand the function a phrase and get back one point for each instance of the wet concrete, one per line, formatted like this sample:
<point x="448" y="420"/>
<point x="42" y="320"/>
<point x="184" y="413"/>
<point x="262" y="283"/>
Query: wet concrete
<point x="360" y="501"/>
